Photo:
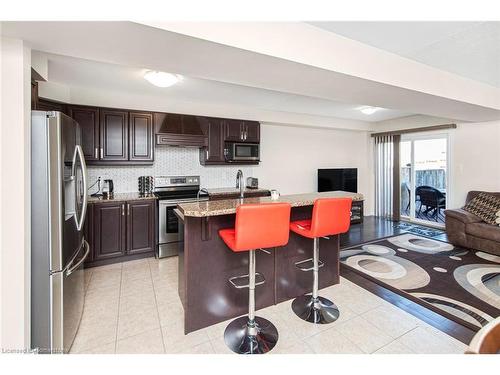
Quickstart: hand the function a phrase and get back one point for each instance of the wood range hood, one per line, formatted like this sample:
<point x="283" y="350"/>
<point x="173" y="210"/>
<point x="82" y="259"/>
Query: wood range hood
<point x="172" y="129"/>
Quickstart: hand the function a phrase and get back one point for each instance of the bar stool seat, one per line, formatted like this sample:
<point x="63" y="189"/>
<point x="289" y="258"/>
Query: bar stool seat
<point x="302" y="227"/>
<point x="257" y="226"/>
<point x="330" y="216"/>
<point x="229" y="237"/>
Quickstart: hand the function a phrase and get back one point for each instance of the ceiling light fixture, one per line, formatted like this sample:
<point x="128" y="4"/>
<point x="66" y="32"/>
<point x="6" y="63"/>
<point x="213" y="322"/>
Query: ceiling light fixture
<point x="369" y="110"/>
<point x="162" y="79"/>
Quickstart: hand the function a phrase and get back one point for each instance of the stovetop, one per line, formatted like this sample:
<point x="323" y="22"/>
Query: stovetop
<point x="178" y="187"/>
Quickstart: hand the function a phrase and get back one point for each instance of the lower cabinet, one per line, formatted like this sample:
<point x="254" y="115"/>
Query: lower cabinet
<point x="116" y="230"/>
<point x="109" y="230"/>
<point x="140" y="226"/>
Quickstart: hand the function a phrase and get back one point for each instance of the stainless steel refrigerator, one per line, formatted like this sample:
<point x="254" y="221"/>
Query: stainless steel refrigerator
<point x="58" y="247"/>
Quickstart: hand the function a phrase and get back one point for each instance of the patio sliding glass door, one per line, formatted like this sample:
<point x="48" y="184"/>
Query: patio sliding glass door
<point x="424" y="166"/>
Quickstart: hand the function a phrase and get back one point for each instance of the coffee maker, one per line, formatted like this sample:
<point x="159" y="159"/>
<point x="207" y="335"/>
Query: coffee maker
<point x="107" y="189"/>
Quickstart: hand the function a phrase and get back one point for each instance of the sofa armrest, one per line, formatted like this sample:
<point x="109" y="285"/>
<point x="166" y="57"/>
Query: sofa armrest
<point x="463" y="216"/>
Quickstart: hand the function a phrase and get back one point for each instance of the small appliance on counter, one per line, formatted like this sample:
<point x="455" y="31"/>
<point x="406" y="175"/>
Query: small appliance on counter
<point x="107" y="189"/>
<point x="146" y="185"/>
<point x="252" y="183"/>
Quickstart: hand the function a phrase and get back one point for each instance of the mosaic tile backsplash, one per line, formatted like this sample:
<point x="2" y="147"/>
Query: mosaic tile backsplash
<point x="169" y="161"/>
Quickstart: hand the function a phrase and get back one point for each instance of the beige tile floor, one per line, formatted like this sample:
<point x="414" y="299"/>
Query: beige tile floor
<point x="133" y="307"/>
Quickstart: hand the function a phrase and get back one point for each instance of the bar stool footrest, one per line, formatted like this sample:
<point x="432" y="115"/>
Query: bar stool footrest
<point x="241" y="282"/>
<point x="308" y="264"/>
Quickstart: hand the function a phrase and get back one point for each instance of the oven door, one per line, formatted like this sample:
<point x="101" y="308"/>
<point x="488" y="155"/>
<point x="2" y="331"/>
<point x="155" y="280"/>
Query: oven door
<point x="168" y="223"/>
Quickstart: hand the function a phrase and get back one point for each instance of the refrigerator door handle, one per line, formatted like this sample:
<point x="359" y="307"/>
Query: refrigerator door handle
<point x="79" y="153"/>
<point x="72" y="269"/>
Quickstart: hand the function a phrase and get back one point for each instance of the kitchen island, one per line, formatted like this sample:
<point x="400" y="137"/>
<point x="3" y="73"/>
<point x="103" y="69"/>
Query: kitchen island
<point x="206" y="263"/>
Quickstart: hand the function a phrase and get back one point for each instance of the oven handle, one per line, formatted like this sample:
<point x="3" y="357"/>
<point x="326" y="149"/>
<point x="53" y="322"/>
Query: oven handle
<point x="175" y="203"/>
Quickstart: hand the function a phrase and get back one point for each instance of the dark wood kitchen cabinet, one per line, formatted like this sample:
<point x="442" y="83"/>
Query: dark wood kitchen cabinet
<point x="114" y="135"/>
<point x="109" y="240"/>
<point x="120" y="231"/>
<point x="241" y="131"/>
<point x="219" y="131"/>
<point x="252" y="131"/>
<point x="88" y="118"/>
<point x="140" y="226"/>
<point x="213" y="154"/>
<point x="141" y="136"/>
<point x="233" y="130"/>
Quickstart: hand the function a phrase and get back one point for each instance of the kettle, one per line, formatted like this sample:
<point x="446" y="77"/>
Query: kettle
<point x="107" y="189"/>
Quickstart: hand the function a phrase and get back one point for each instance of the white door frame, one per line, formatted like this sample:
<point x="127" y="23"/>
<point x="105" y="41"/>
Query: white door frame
<point x="423" y="136"/>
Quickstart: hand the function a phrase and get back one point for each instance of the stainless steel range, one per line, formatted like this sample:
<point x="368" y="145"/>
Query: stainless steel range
<point x="170" y="191"/>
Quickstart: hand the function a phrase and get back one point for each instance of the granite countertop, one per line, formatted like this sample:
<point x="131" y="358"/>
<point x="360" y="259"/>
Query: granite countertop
<point x="121" y="197"/>
<point x="233" y="191"/>
<point x="228" y="206"/>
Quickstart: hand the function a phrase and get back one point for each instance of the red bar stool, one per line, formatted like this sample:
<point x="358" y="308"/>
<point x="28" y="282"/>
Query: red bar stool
<point x="257" y="226"/>
<point x="330" y="216"/>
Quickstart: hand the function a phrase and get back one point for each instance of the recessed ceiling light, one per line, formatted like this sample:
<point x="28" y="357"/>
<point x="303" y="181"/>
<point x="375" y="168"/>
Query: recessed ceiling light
<point x="369" y="110"/>
<point x="162" y="79"/>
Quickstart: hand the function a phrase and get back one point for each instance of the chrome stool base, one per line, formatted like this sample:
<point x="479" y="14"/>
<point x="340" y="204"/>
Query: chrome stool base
<point x="240" y="338"/>
<point x="323" y="311"/>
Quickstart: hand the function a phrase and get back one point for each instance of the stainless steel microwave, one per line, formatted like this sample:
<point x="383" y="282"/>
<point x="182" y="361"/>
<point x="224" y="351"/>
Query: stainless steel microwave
<point x="235" y="151"/>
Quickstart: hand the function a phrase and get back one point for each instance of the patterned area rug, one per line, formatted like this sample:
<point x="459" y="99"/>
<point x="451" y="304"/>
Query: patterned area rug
<point x="418" y="229"/>
<point x="463" y="285"/>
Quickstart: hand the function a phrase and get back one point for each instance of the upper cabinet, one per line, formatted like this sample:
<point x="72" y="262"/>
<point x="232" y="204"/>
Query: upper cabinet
<point x="122" y="137"/>
<point x="219" y="131"/>
<point x="213" y="129"/>
<point x="241" y="131"/>
<point x="114" y="136"/>
<point x="141" y="146"/>
<point x="233" y="130"/>
<point x="252" y="131"/>
<point x="88" y="118"/>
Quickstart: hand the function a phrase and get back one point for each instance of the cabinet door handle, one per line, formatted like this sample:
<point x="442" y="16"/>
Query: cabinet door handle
<point x="206" y="152"/>
<point x="96" y="153"/>
<point x="128" y="209"/>
<point x="123" y="209"/>
<point x="102" y="153"/>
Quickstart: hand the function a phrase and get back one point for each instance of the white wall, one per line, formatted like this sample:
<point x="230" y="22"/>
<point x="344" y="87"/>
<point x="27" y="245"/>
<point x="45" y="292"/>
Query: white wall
<point x="474" y="153"/>
<point x="169" y="161"/>
<point x="291" y="156"/>
<point x="475" y="159"/>
<point x="15" y="194"/>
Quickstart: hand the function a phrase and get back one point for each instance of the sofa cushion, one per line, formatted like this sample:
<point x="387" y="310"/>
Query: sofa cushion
<point x="483" y="230"/>
<point x="485" y="206"/>
<point x="462" y="215"/>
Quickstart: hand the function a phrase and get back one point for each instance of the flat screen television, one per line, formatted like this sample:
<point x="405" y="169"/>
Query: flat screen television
<point x="345" y="179"/>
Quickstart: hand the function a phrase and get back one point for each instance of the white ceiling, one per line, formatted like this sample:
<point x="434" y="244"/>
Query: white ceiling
<point x="468" y="49"/>
<point x="271" y="65"/>
<point x="76" y="73"/>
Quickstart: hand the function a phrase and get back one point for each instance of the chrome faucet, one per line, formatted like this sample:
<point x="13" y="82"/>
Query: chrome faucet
<point x="240" y="183"/>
